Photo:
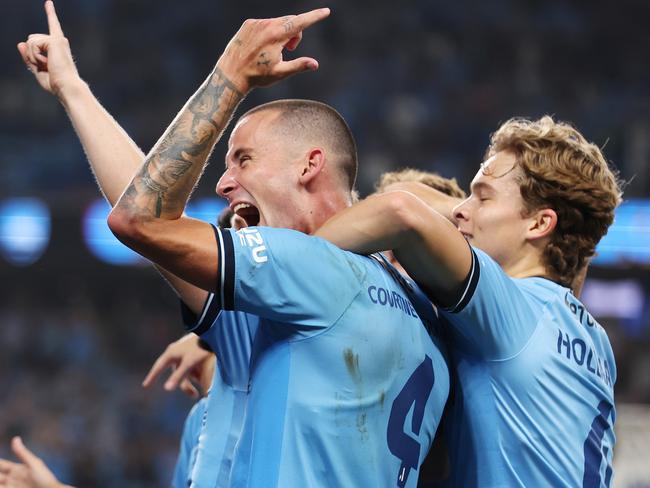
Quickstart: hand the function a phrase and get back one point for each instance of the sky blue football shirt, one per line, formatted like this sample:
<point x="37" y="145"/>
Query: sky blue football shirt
<point x="532" y="402"/>
<point x="326" y="376"/>
<point x="189" y="445"/>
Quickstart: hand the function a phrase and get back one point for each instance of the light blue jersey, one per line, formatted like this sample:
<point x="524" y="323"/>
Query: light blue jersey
<point x="533" y="401"/>
<point x="189" y="445"/>
<point x="326" y="375"/>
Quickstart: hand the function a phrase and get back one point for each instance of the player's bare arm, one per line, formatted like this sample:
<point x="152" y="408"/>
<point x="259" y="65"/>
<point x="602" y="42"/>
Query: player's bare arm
<point x="149" y="215"/>
<point x="424" y="241"/>
<point x="437" y="200"/>
<point x="113" y="156"/>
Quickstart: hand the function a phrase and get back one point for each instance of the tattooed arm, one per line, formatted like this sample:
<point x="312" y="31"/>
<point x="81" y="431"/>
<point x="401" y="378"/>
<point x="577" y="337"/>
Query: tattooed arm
<point x="149" y="215"/>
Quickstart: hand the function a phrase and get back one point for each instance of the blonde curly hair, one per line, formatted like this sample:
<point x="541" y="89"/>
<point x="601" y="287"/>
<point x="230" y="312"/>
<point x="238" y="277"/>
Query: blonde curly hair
<point x="563" y="171"/>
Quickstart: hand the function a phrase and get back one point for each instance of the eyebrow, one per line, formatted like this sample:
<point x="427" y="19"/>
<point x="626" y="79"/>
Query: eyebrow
<point x="481" y="185"/>
<point x="237" y="154"/>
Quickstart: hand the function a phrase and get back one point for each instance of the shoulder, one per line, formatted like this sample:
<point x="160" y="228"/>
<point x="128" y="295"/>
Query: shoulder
<point x="541" y="291"/>
<point x="288" y="243"/>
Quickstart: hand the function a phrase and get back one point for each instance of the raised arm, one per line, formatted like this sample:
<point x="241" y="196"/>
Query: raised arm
<point x="149" y="215"/>
<point x="426" y="243"/>
<point x="113" y="156"/>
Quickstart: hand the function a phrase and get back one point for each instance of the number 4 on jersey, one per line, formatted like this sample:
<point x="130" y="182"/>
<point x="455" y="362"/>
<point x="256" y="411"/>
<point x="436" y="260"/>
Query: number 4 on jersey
<point x="415" y="394"/>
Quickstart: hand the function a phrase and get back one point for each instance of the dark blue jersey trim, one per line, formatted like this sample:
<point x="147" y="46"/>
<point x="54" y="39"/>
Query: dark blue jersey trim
<point x="201" y="323"/>
<point x="188" y="316"/>
<point x="226" y="269"/>
<point x="469" y="285"/>
<point x="223" y="298"/>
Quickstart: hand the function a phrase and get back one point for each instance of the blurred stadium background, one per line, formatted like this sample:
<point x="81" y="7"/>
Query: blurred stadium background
<point x="422" y="84"/>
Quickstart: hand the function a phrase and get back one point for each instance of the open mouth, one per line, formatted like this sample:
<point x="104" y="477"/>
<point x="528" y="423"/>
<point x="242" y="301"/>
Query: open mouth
<point x="248" y="212"/>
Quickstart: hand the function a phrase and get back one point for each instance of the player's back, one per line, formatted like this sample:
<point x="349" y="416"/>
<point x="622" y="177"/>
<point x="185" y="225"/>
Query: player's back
<point x="532" y="404"/>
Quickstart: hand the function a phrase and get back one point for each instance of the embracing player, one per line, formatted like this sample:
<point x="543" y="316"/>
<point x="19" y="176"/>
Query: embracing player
<point x="533" y="400"/>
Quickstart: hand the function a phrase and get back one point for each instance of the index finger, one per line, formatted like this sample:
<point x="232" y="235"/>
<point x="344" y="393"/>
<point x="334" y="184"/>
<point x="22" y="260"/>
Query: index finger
<point x="52" y="19"/>
<point x="24" y="454"/>
<point x="162" y="363"/>
<point x="296" y="24"/>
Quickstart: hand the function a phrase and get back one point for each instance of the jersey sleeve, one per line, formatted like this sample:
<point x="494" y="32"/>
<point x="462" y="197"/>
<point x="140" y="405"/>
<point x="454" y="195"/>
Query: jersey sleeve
<point x="493" y="318"/>
<point x="201" y="323"/>
<point x="229" y="334"/>
<point x="286" y="276"/>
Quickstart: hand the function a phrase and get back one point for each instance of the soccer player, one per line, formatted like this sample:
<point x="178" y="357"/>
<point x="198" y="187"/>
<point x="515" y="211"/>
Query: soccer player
<point x="533" y="403"/>
<point x="336" y="338"/>
<point x="186" y="356"/>
<point x="315" y="386"/>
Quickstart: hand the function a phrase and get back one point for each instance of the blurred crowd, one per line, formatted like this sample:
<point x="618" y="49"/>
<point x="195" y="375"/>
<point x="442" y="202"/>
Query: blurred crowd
<point x="72" y="359"/>
<point x="422" y="84"/>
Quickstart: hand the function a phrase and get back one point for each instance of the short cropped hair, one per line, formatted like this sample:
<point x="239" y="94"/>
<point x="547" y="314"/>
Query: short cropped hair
<point x="320" y="123"/>
<point x="563" y="171"/>
<point x="448" y="186"/>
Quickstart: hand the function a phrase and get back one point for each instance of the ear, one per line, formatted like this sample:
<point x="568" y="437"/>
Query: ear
<point x="542" y="224"/>
<point x="313" y="165"/>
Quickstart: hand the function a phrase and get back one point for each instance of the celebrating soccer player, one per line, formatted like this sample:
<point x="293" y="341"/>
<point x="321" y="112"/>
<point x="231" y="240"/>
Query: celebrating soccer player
<point x="534" y="404"/>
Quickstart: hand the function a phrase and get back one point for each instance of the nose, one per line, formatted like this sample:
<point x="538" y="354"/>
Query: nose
<point x="226" y="185"/>
<point x="460" y="211"/>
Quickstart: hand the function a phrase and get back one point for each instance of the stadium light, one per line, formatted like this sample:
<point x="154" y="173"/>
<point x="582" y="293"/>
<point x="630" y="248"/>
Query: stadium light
<point x="100" y="240"/>
<point x="25" y="226"/>
<point x="628" y="240"/>
<point x="104" y="245"/>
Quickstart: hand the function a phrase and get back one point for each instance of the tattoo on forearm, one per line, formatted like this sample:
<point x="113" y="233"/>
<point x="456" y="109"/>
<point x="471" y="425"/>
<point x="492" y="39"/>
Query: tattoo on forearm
<point x="173" y="167"/>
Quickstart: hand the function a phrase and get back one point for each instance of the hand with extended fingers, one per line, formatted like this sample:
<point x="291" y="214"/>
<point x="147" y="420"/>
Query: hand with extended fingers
<point x="31" y="472"/>
<point x="188" y="361"/>
<point x="48" y="56"/>
<point x="253" y="57"/>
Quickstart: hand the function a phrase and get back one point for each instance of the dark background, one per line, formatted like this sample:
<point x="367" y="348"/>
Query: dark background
<point x="422" y="84"/>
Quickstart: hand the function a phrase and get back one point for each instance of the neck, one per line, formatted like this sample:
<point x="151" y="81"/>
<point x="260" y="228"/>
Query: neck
<point x="317" y="211"/>
<point x="527" y="272"/>
<point x="528" y="264"/>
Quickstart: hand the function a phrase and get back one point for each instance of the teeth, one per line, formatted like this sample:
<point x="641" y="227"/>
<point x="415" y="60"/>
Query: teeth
<point x="240" y="206"/>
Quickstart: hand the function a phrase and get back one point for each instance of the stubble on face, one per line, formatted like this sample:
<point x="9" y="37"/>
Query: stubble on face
<point x="269" y="181"/>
